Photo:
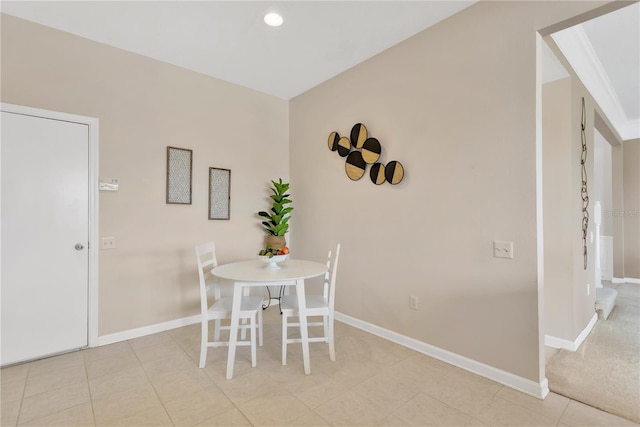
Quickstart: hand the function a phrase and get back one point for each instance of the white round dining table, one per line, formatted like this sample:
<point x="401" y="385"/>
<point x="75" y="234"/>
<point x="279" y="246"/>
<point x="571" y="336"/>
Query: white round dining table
<point x="292" y="272"/>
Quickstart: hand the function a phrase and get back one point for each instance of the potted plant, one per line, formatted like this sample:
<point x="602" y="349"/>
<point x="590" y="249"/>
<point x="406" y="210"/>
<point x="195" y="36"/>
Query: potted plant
<point x="276" y="223"/>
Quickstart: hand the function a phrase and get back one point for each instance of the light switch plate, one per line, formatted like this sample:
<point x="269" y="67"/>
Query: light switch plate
<point x="502" y="249"/>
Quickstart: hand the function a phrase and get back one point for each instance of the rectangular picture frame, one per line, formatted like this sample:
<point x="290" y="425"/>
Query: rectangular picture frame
<point x="179" y="175"/>
<point x="219" y="193"/>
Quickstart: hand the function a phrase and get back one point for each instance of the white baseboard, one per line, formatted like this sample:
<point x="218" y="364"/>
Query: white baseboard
<point x="556" y="342"/>
<point x="147" y="330"/>
<point x="625" y="280"/>
<point x="539" y="390"/>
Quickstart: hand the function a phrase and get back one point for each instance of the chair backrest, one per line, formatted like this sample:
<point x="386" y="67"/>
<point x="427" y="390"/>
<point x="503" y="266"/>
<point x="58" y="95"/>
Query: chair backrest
<point x="330" y="275"/>
<point x="206" y="257"/>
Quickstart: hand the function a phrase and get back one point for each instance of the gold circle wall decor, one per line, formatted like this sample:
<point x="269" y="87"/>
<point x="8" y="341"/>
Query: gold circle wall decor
<point x="376" y="173"/>
<point x="355" y="165"/>
<point x="394" y="172"/>
<point x="360" y="151"/>
<point x="358" y="135"/>
<point x="344" y="146"/>
<point x="333" y="141"/>
<point x="371" y="150"/>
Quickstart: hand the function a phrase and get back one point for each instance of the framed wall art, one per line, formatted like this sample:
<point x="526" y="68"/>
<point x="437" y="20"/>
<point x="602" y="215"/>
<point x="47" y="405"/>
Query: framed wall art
<point x="219" y="193"/>
<point x="179" y="166"/>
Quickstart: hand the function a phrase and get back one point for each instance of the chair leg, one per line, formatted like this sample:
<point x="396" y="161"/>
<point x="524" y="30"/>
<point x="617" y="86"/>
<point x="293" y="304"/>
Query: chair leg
<point x="216" y="330"/>
<point x="203" y="343"/>
<point x="260" y="327"/>
<point x="243" y="332"/>
<point x="253" y="340"/>
<point x="284" y="339"/>
<point x="332" y="346"/>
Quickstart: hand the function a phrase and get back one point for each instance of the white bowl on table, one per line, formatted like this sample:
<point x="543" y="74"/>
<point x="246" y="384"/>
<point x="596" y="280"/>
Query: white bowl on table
<point x="273" y="260"/>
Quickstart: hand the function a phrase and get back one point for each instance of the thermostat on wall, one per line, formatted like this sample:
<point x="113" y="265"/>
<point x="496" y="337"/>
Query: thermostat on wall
<point x="108" y="184"/>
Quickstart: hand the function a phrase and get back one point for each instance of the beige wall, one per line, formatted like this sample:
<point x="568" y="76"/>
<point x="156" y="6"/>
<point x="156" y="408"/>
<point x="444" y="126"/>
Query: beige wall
<point x="144" y="106"/>
<point x="617" y="202"/>
<point x="456" y="104"/>
<point x="559" y="218"/>
<point x="631" y="216"/>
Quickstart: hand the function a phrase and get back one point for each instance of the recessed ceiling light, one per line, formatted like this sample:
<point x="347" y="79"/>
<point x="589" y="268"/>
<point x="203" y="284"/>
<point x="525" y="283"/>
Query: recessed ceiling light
<point x="273" y="19"/>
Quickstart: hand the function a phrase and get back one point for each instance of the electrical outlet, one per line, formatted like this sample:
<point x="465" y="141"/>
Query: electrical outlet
<point x="502" y="249"/>
<point x="413" y="302"/>
<point x="108" y="242"/>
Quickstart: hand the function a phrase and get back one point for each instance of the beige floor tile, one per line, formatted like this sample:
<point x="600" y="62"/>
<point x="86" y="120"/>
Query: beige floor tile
<point x="81" y="415"/>
<point x="166" y="350"/>
<point x="499" y="412"/>
<point x="310" y="419"/>
<point x="150" y="340"/>
<point x="195" y="408"/>
<point x="351" y="409"/>
<point x="424" y="410"/>
<point x="462" y="390"/>
<point x="15" y="372"/>
<point x="107" y="351"/>
<point x="12" y="382"/>
<point x="231" y="418"/>
<point x="111" y="364"/>
<point x="105" y="386"/>
<point x="394" y="421"/>
<point x="248" y="386"/>
<point x="276" y="408"/>
<point x="150" y="417"/>
<point x="174" y="385"/>
<point x="387" y="390"/>
<point x="125" y="403"/>
<point x="9" y="411"/>
<point x="313" y="390"/>
<point x="349" y="371"/>
<point x="164" y="365"/>
<point x="51" y="402"/>
<point x="579" y="414"/>
<point x="551" y="407"/>
<point x="63" y="361"/>
<point x="54" y="379"/>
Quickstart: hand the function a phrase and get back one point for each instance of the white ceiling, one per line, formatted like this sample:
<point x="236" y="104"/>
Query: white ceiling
<point x="318" y="40"/>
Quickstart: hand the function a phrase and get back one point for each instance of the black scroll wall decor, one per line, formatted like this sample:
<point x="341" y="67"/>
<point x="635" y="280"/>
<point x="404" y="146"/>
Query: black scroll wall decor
<point x="361" y="150"/>
<point x="584" y="192"/>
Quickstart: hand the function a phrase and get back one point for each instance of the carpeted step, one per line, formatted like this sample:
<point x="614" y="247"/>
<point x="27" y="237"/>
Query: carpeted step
<point x="605" y="301"/>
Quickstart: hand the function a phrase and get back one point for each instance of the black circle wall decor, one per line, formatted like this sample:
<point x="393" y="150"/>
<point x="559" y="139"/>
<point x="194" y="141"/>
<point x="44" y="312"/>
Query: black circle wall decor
<point x="394" y="172"/>
<point x="355" y="165"/>
<point x="360" y="151"/>
<point x="358" y="135"/>
<point x="333" y="141"/>
<point x="376" y="173"/>
<point x="371" y="150"/>
<point x="344" y="146"/>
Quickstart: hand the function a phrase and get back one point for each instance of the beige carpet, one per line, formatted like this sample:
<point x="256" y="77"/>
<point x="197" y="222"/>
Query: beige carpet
<point x="605" y="371"/>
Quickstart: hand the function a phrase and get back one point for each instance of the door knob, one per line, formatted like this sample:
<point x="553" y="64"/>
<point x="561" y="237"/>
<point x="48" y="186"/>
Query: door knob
<point x="79" y="247"/>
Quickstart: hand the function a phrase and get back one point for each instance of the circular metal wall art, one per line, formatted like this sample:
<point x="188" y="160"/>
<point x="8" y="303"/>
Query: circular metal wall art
<point x="371" y="150"/>
<point x="394" y="172"/>
<point x="355" y="165"/>
<point x="376" y="173"/>
<point x="344" y="146"/>
<point x="358" y="135"/>
<point x="333" y="141"/>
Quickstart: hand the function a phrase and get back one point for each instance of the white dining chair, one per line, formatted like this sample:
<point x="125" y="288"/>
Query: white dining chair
<point x="220" y="309"/>
<point x="317" y="305"/>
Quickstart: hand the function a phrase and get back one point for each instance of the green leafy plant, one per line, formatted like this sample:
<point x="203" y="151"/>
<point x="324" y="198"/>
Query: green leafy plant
<point x="277" y="223"/>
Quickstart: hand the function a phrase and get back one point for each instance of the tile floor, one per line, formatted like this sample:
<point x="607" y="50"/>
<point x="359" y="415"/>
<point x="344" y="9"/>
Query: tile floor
<point x="155" y="381"/>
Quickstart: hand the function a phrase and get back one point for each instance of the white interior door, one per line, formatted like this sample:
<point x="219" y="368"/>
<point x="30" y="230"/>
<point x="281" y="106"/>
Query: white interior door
<point x="45" y="235"/>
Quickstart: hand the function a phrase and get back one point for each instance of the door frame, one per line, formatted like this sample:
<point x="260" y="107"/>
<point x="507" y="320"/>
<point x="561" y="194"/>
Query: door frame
<point x="93" y="244"/>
